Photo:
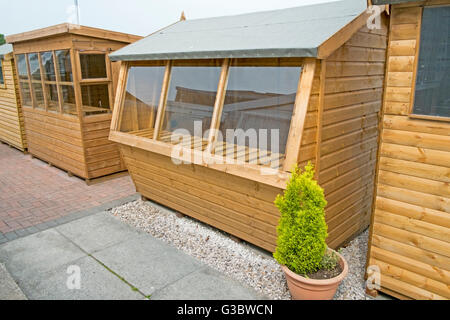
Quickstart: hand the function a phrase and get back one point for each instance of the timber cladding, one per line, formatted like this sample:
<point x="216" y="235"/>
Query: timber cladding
<point x="410" y="234"/>
<point x="340" y="127"/>
<point x="11" y="117"/>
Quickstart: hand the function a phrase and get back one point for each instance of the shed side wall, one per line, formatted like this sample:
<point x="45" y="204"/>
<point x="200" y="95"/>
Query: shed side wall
<point x="410" y="236"/>
<point x="352" y="102"/>
<point x="11" y="118"/>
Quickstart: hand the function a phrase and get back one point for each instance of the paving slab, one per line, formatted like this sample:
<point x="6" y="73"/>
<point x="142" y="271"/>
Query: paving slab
<point x="29" y="257"/>
<point x="205" y="284"/>
<point x="97" y="232"/>
<point x="148" y="263"/>
<point x="115" y="261"/>
<point x="9" y="290"/>
<point x="96" y="283"/>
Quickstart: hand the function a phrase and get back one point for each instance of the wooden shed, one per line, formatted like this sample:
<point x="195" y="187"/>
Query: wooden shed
<point x="410" y="234"/>
<point x="12" y="130"/>
<point x="305" y="82"/>
<point x="67" y="86"/>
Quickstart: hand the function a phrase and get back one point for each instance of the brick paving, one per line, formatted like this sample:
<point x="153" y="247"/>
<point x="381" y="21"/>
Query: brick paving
<point x="33" y="193"/>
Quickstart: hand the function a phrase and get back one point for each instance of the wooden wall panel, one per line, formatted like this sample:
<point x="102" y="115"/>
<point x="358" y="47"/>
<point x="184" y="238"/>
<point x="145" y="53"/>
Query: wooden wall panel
<point x="102" y="155"/>
<point x="410" y="235"/>
<point x="55" y="139"/>
<point x="11" y="117"/>
<point x="352" y="103"/>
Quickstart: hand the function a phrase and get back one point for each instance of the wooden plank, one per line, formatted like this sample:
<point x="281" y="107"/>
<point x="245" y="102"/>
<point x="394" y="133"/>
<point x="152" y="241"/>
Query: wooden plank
<point x="163" y="100"/>
<point x="416" y="154"/>
<point x="412" y="278"/>
<point x="412" y="265"/>
<point x="218" y="105"/>
<point x="416" y="169"/>
<point x="414" y="197"/>
<point x="294" y="140"/>
<point x="411" y="252"/>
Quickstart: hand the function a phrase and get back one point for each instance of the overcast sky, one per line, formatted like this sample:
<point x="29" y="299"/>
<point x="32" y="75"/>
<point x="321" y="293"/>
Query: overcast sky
<point x="140" y="17"/>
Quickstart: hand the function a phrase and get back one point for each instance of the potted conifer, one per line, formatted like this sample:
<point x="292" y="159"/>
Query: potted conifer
<point x="313" y="271"/>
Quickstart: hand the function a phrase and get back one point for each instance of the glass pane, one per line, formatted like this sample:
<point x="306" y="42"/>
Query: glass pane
<point x="257" y="113"/>
<point x="432" y="93"/>
<point x="65" y="65"/>
<point x="22" y="67"/>
<point x="93" y="66"/>
<point x="142" y="99"/>
<point x="38" y="95"/>
<point x="2" y="80"/>
<point x="190" y="102"/>
<point x="35" y="69"/>
<point x="48" y="65"/>
<point x="95" y="99"/>
<point x="68" y="97"/>
<point x="52" y="97"/>
<point x="26" y="94"/>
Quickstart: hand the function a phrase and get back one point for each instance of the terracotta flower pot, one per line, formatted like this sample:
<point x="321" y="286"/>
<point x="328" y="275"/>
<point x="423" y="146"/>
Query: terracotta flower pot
<point x="302" y="288"/>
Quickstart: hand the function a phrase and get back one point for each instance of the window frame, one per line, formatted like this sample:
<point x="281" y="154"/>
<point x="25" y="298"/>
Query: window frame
<point x="43" y="82"/>
<point x="411" y="113"/>
<point x="95" y="81"/>
<point x="205" y="158"/>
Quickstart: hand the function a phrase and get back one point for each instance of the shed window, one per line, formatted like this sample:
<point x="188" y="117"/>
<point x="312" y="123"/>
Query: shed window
<point x="49" y="74"/>
<point x="93" y="66"/>
<point x="190" y="102"/>
<point x="2" y="79"/>
<point x="36" y="83"/>
<point x="68" y="100"/>
<point x="432" y="91"/>
<point x="95" y="99"/>
<point x="253" y="109"/>
<point x="48" y="66"/>
<point x="64" y="65"/>
<point x="257" y="112"/>
<point x="141" y="99"/>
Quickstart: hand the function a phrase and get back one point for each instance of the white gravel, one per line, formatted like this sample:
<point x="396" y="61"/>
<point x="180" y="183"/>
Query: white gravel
<point x="240" y="261"/>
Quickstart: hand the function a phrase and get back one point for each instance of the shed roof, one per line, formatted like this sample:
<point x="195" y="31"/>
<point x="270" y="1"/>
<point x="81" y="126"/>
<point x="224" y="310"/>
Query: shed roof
<point x="292" y="32"/>
<point x="5" y="49"/>
<point x="67" y="28"/>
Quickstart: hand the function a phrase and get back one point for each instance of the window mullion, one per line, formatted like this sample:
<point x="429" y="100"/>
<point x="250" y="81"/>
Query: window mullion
<point x="33" y="99"/>
<point x="299" y="115"/>
<point x="44" y="88"/>
<point x="218" y="106"/>
<point x="58" y="81"/>
<point x="163" y="100"/>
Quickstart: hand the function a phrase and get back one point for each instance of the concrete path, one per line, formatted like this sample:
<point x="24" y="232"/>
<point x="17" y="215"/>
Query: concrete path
<point x="108" y="259"/>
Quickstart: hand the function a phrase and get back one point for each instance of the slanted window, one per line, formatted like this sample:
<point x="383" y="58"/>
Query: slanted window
<point x="432" y="90"/>
<point x="190" y="104"/>
<point x="257" y="113"/>
<point x="239" y="111"/>
<point x="2" y="79"/>
<point x="141" y="100"/>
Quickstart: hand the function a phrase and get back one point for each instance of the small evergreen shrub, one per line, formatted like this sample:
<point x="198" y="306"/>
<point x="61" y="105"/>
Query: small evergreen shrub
<point x="302" y="229"/>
